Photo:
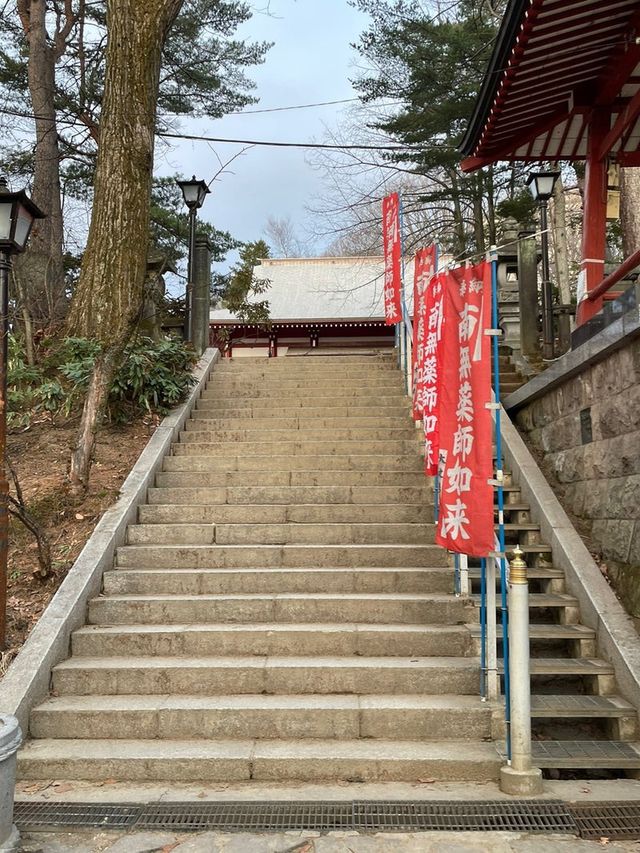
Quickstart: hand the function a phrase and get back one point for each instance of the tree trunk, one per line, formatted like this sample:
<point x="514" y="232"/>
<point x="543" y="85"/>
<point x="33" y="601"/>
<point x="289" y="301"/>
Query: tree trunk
<point x="42" y="266"/>
<point x="559" y="226"/>
<point x="630" y="210"/>
<point x="109" y="294"/>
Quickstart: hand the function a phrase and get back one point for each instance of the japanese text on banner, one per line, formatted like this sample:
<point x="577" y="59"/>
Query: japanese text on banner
<point x="424" y="268"/>
<point x="465" y="522"/>
<point x="428" y="402"/>
<point x="392" y="259"/>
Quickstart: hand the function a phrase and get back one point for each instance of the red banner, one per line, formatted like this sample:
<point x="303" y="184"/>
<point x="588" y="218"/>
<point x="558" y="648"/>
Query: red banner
<point x="465" y="522"/>
<point x="431" y="380"/>
<point x="392" y="259"/>
<point x="424" y="268"/>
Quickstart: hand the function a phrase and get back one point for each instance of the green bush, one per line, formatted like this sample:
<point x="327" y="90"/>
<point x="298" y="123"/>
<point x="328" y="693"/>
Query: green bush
<point x="154" y="376"/>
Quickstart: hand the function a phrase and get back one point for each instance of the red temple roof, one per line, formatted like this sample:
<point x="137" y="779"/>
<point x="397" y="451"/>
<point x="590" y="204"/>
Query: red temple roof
<point x="555" y="65"/>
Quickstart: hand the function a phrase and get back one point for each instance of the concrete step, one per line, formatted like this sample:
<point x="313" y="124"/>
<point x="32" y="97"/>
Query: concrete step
<point x="303" y="478"/>
<point x="226" y="581"/>
<point x="345" y="373"/>
<point x="338" y="717"/>
<point x="214" y="676"/>
<point x="401" y="608"/>
<point x="281" y="534"/>
<point x="267" y="638"/>
<point x="300" y="489"/>
<point x="286" y="464"/>
<point x="264" y="398"/>
<point x="195" y="432"/>
<point x="203" y="419"/>
<point x="262" y="760"/>
<point x="263" y="411"/>
<point x="299" y="447"/>
<point x="202" y="512"/>
<point x="279" y="556"/>
<point x="388" y="383"/>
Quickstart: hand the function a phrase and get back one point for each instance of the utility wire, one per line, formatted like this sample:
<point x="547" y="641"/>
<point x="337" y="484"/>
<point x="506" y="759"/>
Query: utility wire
<point x="271" y="144"/>
<point x="303" y="107"/>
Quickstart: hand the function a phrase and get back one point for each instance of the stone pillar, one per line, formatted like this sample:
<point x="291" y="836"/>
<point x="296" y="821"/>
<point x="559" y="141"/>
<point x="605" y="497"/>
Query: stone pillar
<point x="10" y="740"/>
<point x="201" y="294"/>
<point x="528" y="291"/>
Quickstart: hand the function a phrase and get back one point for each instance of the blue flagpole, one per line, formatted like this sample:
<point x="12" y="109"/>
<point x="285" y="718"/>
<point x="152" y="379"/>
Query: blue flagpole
<point x="483" y="628"/>
<point x="499" y="480"/>
<point x="405" y="313"/>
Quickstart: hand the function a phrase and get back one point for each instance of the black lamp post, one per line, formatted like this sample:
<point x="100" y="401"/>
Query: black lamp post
<point x="194" y="193"/>
<point x="541" y="185"/>
<point x="17" y="215"/>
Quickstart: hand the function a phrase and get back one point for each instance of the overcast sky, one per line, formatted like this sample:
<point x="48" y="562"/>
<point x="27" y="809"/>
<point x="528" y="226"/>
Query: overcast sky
<point x="310" y="61"/>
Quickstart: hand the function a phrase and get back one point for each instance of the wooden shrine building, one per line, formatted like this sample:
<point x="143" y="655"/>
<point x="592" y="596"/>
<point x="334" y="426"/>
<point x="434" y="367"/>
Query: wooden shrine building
<point x="563" y="83"/>
<point x="313" y="302"/>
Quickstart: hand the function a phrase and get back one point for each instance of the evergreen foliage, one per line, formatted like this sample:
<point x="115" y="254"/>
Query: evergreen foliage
<point x="154" y="377"/>
<point x="244" y="286"/>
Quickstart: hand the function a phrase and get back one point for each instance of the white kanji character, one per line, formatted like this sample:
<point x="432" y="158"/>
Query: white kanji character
<point x="430" y="398"/>
<point x="431" y="370"/>
<point x="464" y="412"/>
<point x="459" y="479"/>
<point x="432" y="343"/>
<point x="467" y="322"/>
<point x="430" y="423"/>
<point x="463" y="440"/>
<point x="454" y="521"/>
<point x="465" y="363"/>
<point x="475" y="285"/>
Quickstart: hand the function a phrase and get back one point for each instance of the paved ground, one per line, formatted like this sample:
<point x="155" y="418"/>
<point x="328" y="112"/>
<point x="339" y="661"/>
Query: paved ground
<point x="308" y="842"/>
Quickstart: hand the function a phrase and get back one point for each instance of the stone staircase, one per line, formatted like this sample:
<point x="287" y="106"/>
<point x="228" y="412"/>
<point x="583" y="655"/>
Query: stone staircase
<point x="580" y="723"/>
<point x="279" y="612"/>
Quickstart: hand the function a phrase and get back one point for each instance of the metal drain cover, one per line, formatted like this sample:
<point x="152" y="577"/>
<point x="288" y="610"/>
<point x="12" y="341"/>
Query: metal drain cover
<point x="363" y="816"/>
<point x="44" y="816"/>
<point x="455" y="816"/>
<point x="608" y="820"/>
<point x="248" y="816"/>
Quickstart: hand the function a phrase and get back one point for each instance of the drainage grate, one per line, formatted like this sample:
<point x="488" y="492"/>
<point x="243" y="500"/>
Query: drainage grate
<point x="43" y="816"/>
<point x="607" y="820"/>
<point x="364" y="816"/>
<point x="241" y="816"/>
<point x="454" y="816"/>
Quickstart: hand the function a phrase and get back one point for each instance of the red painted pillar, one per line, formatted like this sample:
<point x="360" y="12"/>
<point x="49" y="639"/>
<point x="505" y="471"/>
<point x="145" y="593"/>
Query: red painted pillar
<point x="594" y="226"/>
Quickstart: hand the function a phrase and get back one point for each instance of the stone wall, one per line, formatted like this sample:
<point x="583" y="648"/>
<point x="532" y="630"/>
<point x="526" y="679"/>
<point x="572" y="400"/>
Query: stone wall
<point x="586" y="426"/>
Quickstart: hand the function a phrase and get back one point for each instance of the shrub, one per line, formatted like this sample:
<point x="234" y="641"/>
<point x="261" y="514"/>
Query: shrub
<point x="153" y="377"/>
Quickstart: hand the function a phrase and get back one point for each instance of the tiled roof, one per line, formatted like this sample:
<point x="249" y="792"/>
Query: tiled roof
<point x="323" y="288"/>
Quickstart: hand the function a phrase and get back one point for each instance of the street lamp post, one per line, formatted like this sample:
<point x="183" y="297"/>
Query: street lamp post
<point x="17" y="215"/>
<point x="194" y="193"/>
<point x="541" y="185"/>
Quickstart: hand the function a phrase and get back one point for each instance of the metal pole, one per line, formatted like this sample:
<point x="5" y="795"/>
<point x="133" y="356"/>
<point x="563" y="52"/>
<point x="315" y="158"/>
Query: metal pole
<point x="500" y="480"/>
<point x="483" y="628"/>
<point x="547" y="294"/>
<point x="5" y="266"/>
<point x="492" y="682"/>
<point x="188" y="324"/>
<point x="520" y="778"/>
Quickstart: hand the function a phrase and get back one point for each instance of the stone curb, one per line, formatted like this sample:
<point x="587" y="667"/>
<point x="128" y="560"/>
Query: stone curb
<point x="613" y="337"/>
<point x="27" y="680"/>
<point x="616" y="637"/>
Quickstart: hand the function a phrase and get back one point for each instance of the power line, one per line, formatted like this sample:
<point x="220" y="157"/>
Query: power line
<point x="271" y="144"/>
<point x="302" y="107"/>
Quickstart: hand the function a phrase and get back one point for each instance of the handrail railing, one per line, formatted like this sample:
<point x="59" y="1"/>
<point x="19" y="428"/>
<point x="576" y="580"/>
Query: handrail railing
<point x="613" y="278"/>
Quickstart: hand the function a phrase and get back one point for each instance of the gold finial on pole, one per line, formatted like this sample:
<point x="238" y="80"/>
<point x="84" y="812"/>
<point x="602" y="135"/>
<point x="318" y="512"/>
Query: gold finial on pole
<point x="518" y="567"/>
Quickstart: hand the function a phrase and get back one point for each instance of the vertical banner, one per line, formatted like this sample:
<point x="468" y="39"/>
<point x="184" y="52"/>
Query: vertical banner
<point x="428" y="396"/>
<point x="392" y="259"/>
<point x="465" y="523"/>
<point x="424" y="268"/>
